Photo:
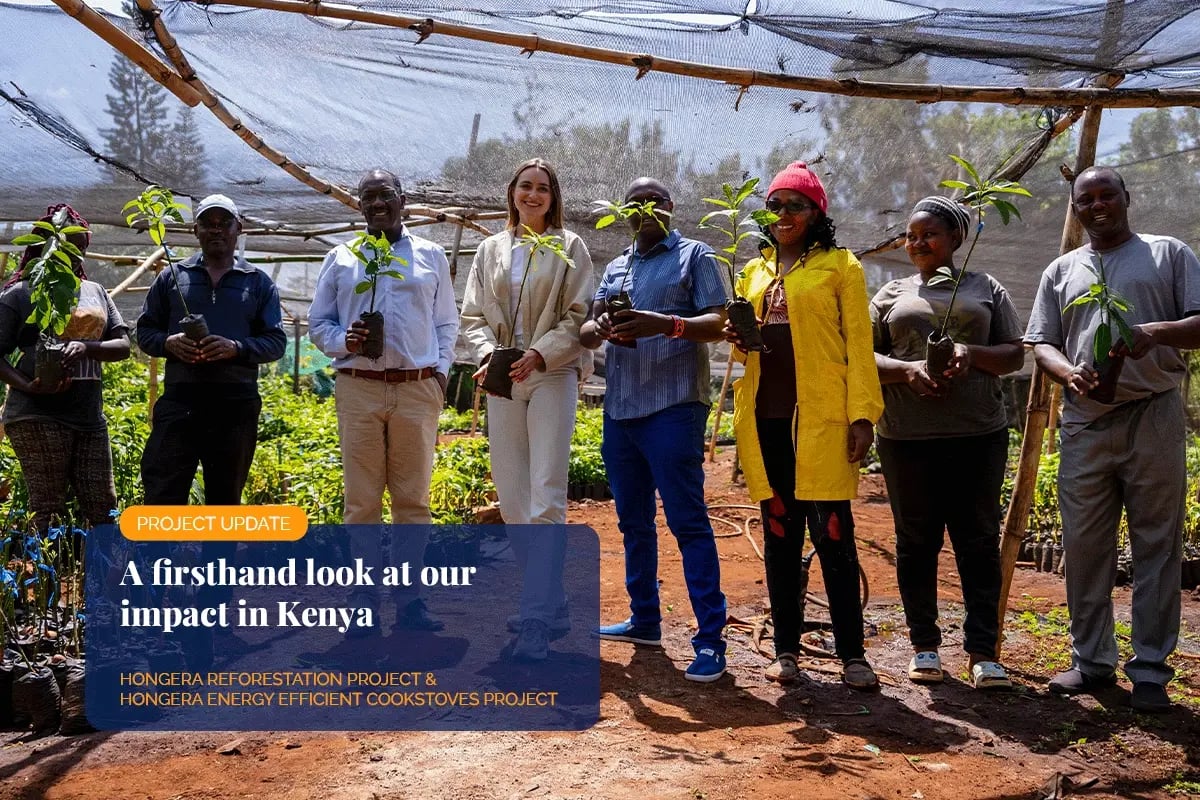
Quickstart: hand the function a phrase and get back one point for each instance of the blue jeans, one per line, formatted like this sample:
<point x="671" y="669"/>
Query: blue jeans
<point x="665" y="451"/>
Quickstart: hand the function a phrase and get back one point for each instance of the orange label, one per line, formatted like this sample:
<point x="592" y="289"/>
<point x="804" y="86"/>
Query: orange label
<point x="213" y="523"/>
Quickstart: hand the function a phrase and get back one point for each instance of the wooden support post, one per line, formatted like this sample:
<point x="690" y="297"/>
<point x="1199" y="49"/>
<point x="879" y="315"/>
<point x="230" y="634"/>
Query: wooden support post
<point x="1038" y="410"/>
<point x="475" y="410"/>
<point x="1052" y="425"/>
<point x="3" y="266"/>
<point x="712" y="446"/>
<point x="296" y="355"/>
<point x="152" y="393"/>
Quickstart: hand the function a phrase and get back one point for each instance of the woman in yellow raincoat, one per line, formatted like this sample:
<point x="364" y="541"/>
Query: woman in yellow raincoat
<point x="804" y="414"/>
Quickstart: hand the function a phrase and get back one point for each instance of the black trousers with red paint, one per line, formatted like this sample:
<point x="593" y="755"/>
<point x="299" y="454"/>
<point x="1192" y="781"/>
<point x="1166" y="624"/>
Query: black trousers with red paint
<point x="831" y="525"/>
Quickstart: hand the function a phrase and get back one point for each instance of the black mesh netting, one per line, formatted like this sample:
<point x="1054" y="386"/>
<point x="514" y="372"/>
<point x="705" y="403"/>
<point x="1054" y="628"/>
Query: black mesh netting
<point x="84" y="125"/>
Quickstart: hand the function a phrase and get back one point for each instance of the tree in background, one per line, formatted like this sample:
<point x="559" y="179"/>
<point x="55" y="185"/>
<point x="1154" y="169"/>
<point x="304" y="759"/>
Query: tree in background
<point x="1161" y="165"/>
<point x="142" y="137"/>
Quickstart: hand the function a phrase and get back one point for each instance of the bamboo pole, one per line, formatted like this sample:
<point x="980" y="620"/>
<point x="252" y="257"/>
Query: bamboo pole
<point x="712" y="446"/>
<point x="146" y="264"/>
<point x="131" y="49"/>
<point x="1052" y="424"/>
<point x="645" y="63"/>
<point x="3" y="266"/>
<point x="475" y="410"/>
<point x="1038" y="410"/>
<point x="221" y="112"/>
<point x="296" y="355"/>
<point x="152" y="393"/>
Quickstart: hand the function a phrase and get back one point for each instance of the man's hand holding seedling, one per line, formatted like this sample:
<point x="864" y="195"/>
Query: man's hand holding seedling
<point x="356" y="334"/>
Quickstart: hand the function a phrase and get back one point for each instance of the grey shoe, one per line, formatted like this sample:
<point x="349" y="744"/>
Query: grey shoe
<point x="559" y="626"/>
<point x="1074" y="681"/>
<point x="533" y="642"/>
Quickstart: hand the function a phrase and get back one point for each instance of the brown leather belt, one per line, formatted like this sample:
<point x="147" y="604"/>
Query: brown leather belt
<point x="391" y="375"/>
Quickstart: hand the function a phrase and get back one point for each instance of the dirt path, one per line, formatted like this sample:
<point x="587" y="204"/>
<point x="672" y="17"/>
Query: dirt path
<point x="661" y="737"/>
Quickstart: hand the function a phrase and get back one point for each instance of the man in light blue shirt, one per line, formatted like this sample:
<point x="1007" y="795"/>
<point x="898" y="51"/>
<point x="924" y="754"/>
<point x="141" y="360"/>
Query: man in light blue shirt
<point x="655" y="411"/>
<point x="388" y="407"/>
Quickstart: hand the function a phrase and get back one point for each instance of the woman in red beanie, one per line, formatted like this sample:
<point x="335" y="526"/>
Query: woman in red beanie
<point x="804" y="414"/>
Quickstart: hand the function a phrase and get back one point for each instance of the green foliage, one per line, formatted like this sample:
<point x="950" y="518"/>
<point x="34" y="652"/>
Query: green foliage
<point x="53" y="284"/>
<point x="544" y="241"/>
<point x="154" y="207"/>
<point x="462" y="480"/>
<point x="1185" y="784"/>
<point x="376" y="263"/>
<point x="734" y="222"/>
<point x="538" y="241"/>
<point x="978" y="193"/>
<point x="628" y="212"/>
<point x="586" y="466"/>
<point x="1111" y="305"/>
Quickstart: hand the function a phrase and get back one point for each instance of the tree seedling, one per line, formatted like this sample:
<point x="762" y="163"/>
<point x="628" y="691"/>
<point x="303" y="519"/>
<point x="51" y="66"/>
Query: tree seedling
<point x="497" y="380"/>
<point x="1110" y="305"/>
<point x="733" y="221"/>
<point x="53" y="290"/>
<point x="632" y="212"/>
<point x="154" y="207"/>
<point x="375" y="254"/>
<point x="978" y="194"/>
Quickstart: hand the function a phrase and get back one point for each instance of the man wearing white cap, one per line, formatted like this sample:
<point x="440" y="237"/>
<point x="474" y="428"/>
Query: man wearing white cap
<point x="208" y="413"/>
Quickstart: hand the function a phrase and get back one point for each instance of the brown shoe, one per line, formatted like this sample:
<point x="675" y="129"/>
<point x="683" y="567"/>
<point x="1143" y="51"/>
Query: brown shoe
<point x="783" y="669"/>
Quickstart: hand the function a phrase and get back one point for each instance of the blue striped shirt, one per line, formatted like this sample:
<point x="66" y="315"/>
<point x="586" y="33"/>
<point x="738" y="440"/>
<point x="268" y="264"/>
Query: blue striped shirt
<point x="677" y="276"/>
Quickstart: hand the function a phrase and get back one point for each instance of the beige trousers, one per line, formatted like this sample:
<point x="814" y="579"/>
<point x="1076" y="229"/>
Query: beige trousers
<point x="387" y="433"/>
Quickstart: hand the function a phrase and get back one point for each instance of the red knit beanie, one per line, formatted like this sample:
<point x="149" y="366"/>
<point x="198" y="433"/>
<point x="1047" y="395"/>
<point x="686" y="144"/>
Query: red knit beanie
<point x="799" y="178"/>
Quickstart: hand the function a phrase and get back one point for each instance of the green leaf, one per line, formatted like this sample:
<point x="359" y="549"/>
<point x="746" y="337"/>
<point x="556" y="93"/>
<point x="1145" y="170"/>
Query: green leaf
<point x="362" y="286"/>
<point x="1123" y="326"/>
<point x="764" y="217"/>
<point x="1012" y="188"/>
<point x="26" y="239"/>
<point x="967" y="166"/>
<point x="941" y="275"/>
<point x="949" y="184"/>
<point x="716" y="201"/>
<point x="746" y="190"/>
<point x="605" y="221"/>
<point x="1082" y="300"/>
<point x="1103" y="343"/>
<point x="1118" y="303"/>
<point x="391" y="273"/>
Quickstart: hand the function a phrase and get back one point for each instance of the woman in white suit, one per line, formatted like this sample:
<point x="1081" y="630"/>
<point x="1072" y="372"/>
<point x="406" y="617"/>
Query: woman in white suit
<point x="536" y="302"/>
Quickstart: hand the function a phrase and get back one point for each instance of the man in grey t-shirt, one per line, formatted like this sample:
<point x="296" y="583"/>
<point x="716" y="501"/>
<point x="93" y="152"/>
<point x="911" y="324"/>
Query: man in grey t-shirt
<point x="1127" y="454"/>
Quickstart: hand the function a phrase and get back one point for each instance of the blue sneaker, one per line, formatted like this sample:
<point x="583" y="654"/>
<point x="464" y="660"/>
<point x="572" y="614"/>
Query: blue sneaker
<point x="628" y="632"/>
<point x="708" y="666"/>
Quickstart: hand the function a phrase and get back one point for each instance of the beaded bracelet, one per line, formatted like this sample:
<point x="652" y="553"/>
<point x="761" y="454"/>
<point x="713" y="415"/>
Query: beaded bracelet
<point x="679" y="324"/>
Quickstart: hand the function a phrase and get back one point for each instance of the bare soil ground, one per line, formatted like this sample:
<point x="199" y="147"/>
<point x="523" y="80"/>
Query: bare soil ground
<point x="662" y="737"/>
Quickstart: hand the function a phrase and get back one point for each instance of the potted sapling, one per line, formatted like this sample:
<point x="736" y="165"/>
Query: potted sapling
<point x="627" y="212"/>
<point x="1111" y="305"/>
<point x="53" y="290"/>
<point x="496" y="378"/>
<point x="375" y="254"/>
<point x="978" y="195"/>
<point x="731" y="220"/>
<point x="153" y="208"/>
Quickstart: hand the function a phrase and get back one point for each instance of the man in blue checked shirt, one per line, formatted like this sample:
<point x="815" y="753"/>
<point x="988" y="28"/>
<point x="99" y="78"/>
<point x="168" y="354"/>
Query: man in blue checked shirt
<point x="655" y="410"/>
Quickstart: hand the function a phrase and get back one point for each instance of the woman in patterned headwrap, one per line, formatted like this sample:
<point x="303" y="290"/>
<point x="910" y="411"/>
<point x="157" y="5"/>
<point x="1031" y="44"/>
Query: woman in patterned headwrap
<point x="943" y="439"/>
<point x="59" y="433"/>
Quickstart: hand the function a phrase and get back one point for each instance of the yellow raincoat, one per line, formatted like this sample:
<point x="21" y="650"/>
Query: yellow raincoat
<point x="836" y="379"/>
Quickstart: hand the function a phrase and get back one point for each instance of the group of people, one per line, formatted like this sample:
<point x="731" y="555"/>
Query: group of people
<point x="838" y="371"/>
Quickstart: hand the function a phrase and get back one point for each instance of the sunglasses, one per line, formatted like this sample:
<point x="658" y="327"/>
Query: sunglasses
<point x="791" y="207"/>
